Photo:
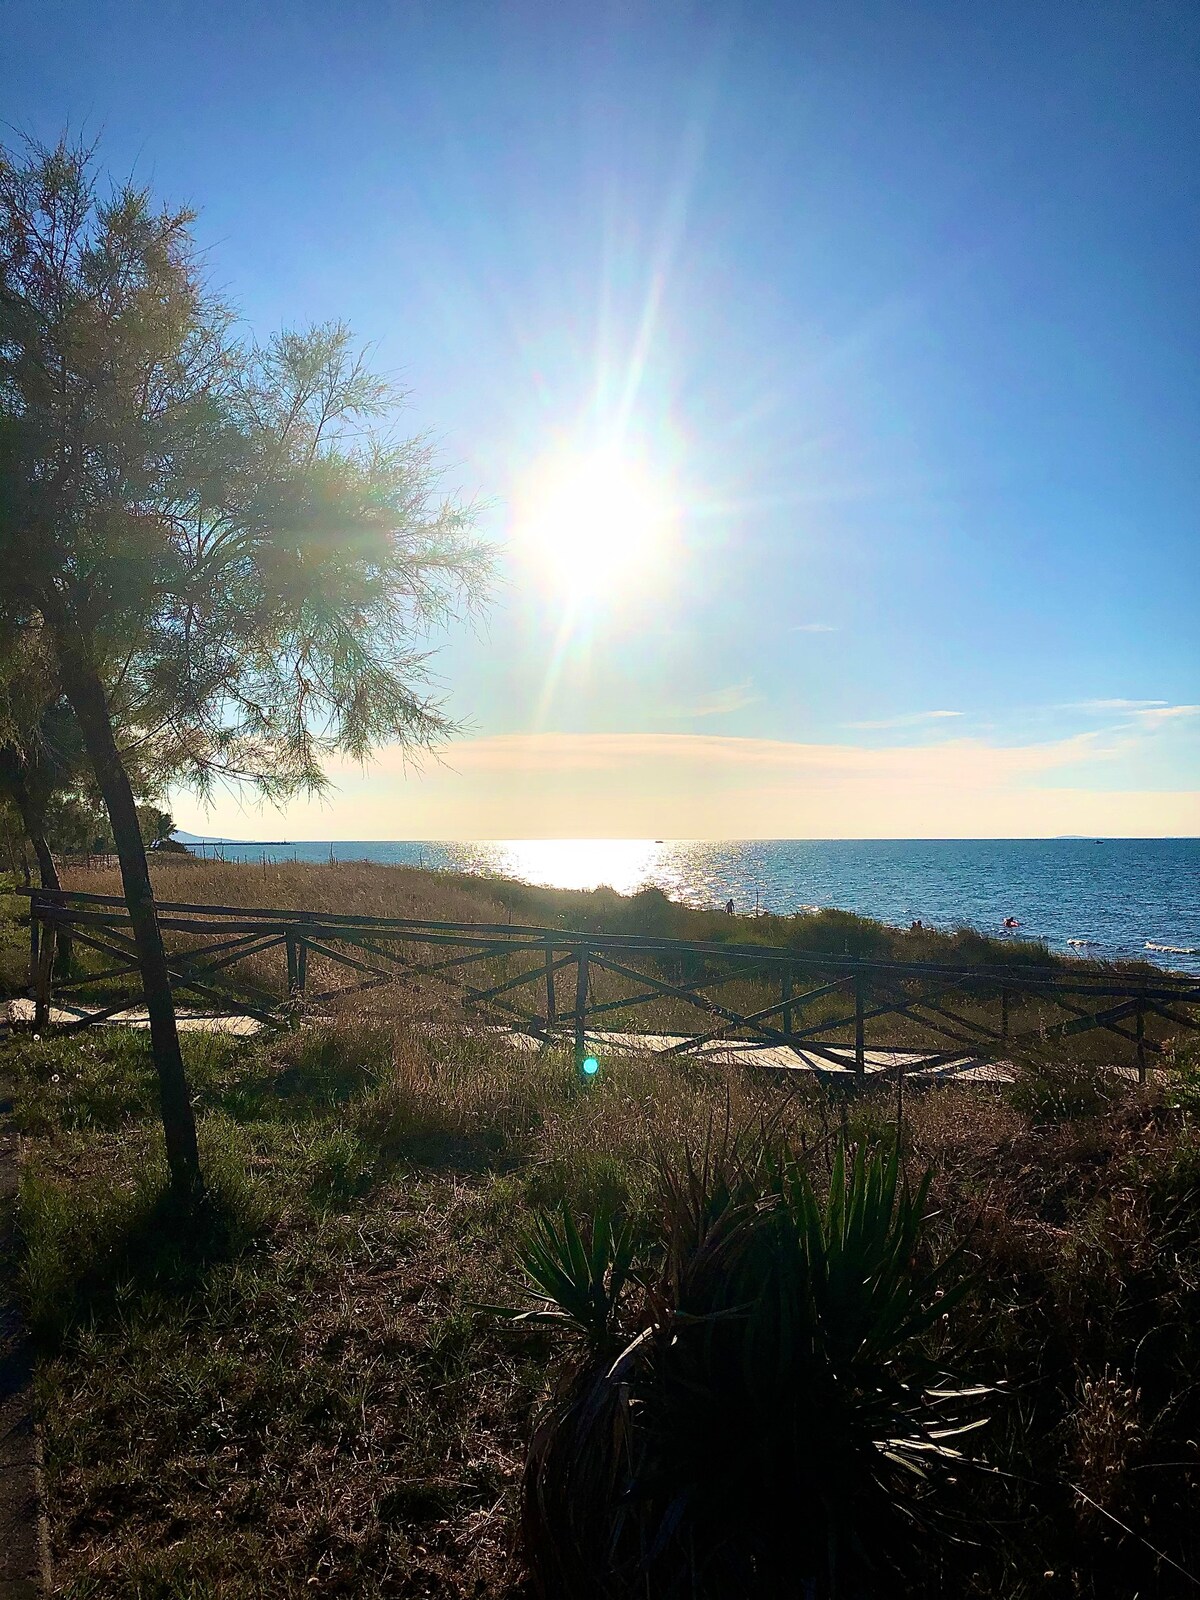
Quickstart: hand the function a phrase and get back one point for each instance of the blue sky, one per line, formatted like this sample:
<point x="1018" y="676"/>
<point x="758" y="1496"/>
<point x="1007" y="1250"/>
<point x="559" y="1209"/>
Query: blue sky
<point x="896" y="304"/>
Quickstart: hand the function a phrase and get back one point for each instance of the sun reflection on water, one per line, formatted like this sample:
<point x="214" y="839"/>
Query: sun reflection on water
<point x="625" y="865"/>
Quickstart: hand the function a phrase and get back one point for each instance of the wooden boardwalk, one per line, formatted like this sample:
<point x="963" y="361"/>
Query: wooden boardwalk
<point x="607" y="1045"/>
<point x="743" y="1003"/>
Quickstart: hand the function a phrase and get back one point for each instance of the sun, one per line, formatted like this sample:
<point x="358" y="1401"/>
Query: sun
<point x="594" y="522"/>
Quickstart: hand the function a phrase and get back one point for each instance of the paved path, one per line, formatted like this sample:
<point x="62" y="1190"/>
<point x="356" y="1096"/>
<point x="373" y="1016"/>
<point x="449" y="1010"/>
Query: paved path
<point x="781" y="1058"/>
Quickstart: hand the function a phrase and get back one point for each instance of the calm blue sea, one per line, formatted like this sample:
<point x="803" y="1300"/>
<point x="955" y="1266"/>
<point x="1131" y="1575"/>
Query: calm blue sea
<point x="1124" y="897"/>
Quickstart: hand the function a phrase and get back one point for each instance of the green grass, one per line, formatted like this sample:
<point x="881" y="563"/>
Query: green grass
<point x="299" y="1395"/>
<point x="14" y="939"/>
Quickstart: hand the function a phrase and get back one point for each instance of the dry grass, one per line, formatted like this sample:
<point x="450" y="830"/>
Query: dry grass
<point x="320" y="1408"/>
<point x="368" y="888"/>
<point x="308" y="1401"/>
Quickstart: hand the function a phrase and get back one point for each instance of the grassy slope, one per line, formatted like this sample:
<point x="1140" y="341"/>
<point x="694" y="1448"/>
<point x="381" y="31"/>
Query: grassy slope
<point x="311" y="1403"/>
<point x="14" y="940"/>
<point x="377" y="890"/>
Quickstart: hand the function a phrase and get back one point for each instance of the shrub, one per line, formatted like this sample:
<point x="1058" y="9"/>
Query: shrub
<point x="759" y="1410"/>
<point x="14" y="940"/>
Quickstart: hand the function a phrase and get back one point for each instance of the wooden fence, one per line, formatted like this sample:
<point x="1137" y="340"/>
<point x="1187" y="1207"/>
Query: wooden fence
<point x="837" y="1014"/>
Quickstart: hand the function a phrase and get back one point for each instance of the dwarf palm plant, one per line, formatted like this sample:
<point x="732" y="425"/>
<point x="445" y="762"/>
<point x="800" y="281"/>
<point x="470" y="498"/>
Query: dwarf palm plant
<point x="576" y="1275"/>
<point x="762" y="1412"/>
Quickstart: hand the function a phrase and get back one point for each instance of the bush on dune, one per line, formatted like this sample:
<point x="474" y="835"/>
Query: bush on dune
<point x="375" y="889"/>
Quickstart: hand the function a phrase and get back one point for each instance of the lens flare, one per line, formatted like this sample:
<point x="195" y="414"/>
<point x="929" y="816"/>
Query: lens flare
<point x="590" y="1066"/>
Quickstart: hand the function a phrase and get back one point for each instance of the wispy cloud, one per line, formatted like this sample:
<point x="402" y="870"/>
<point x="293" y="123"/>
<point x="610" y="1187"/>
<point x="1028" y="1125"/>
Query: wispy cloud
<point x="814" y="627"/>
<point x="1103" y="706"/>
<point x="1154" y="717"/>
<point x="722" y="702"/>
<point x="911" y="719"/>
<point x="522" y="753"/>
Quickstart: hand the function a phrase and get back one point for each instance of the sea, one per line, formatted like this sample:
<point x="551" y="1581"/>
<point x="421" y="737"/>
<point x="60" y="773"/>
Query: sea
<point x="1107" y="899"/>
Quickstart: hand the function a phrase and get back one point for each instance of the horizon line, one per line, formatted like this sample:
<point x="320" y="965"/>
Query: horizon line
<point x="749" y="838"/>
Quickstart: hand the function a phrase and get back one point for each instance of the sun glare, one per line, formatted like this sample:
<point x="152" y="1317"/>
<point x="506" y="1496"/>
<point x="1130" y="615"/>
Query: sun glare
<point x="594" y="523"/>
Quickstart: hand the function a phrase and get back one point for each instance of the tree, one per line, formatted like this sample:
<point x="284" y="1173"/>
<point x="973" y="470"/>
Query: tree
<point x="42" y="760"/>
<point x="232" y="553"/>
<point x="28" y="780"/>
<point x="156" y="826"/>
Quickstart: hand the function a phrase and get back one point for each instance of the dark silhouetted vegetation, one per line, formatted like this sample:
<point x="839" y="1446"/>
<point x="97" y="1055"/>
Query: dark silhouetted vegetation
<point x="762" y="1409"/>
<point x="305" y="1396"/>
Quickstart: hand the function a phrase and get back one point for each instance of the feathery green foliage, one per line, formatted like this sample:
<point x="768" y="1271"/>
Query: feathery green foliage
<point x="223" y="545"/>
<point x="247" y="545"/>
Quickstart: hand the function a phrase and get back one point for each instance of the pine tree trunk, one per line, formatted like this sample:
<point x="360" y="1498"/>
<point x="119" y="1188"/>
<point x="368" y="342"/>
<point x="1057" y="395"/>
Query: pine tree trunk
<point x="33" y="820"/>
<point x="85" y="691"/>
<point x="34" y="825"/>
<point x="48" y="873"/>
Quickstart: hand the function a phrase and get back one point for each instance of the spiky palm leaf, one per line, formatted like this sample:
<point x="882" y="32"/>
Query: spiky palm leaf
<point x="576" y="1280"/>
<point x="776" y="1419"/>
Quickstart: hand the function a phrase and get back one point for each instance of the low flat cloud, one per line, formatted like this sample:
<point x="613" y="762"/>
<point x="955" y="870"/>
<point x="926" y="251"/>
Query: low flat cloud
<point x="1154" y="717"/>
<point x="710" y="786"/>
<point x="1104" y="706"/>
<point x="910" y="719"/>
<point x="814" y="627"/>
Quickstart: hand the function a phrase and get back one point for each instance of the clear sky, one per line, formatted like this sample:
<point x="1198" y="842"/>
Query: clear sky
<point x="833" y="371"/>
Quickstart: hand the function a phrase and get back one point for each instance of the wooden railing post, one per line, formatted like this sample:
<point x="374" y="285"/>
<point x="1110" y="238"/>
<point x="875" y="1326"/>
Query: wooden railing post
<point x="551" y="1011"/>
<point x="1141" y="1040"/>
<point x="786" y="997"/>
<point x="297" y="971"/>
<point x="900" y="1071"/>
<point x="1004" y="1015"/>
<point x="860" y="1050"/>
<point x="35" y="928"/>
<point x="42" y="989"/>
<point x="581" y="990"/>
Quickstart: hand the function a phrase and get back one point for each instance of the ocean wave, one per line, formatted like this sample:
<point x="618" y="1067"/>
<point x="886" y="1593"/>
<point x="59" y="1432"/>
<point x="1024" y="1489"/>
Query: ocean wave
<point x="1174" y="949"/>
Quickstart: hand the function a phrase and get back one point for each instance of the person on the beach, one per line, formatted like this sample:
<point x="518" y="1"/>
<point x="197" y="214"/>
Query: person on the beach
<point x="729" y="908"/>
